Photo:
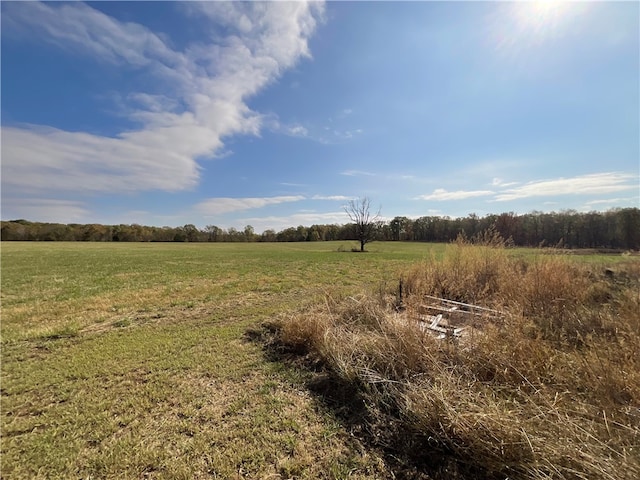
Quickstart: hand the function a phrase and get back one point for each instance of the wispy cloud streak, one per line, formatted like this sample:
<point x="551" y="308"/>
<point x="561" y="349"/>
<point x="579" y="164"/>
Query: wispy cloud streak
<point x="594" y="184"/>
<point x="206" y="88"/>
<point x="337" y="198"/>
<point x="222" y="205"/>
<point x="441" y="194"/>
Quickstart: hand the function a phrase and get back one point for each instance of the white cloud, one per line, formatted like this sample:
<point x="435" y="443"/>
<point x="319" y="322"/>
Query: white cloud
<point x="341" y="135"/>
<point x="595" y="184"/>
<point x="45" y="210"/>
<point x="279" y="223"/>
<point x="298" y="131"/>
<point x="298" y="185"/>
<point x="499" y="182"/>
<point x="337" y="198"/>
<point x="222" y="205"/>
<point x="154" y="103"/>
<point x="205" y="90"/>
<point x="611" y="201"/>
<point x="79" y="28"/>
<point x="357" y="173"/>
<point x="40" y="159"/>
<point x="309" y="131"/>
<point x="441" y="194"/>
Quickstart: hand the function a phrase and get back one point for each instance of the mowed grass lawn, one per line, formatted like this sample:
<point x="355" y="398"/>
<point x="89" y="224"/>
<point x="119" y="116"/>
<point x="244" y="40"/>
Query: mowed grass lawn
<point x="132" y="360"/>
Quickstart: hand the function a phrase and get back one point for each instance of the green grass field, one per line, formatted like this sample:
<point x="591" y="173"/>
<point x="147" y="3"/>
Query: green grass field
<point x="132" y="360"/>
<point x="129" y="360"/>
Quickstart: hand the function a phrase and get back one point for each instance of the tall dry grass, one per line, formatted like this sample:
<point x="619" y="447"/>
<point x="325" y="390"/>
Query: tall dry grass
<point x="550" y="391"/>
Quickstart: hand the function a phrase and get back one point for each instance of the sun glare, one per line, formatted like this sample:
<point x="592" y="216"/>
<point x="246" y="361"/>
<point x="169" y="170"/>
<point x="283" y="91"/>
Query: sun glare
<point x="540" y="17"/>
<point x="517" y="26"/>
<point x="547" y="7"/>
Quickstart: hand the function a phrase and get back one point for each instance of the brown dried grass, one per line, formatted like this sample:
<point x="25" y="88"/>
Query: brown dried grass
<point x="553" y="391"/>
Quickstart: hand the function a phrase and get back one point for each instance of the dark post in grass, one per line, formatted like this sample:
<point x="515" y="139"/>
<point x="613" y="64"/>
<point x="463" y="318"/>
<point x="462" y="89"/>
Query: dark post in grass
<point x="365" y="223"/>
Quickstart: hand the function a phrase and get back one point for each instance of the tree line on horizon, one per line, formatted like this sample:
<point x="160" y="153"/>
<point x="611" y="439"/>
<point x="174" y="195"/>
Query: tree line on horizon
<point x="616" y="228"/>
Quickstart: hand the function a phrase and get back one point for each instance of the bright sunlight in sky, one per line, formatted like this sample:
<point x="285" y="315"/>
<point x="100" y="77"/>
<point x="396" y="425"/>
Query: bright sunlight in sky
<point x="542" y="13"/>
<point x="276" y="114"/>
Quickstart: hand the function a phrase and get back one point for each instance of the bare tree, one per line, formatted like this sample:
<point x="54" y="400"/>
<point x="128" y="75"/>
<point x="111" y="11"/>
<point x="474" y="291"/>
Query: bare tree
<point x="366" y="223"/>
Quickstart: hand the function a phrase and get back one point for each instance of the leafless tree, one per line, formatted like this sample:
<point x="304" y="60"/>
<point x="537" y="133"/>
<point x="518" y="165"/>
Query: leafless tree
<point x="366" y="224"/>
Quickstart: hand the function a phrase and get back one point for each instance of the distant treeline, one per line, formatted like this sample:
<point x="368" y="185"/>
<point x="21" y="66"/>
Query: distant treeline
<point x="616" y="228"/>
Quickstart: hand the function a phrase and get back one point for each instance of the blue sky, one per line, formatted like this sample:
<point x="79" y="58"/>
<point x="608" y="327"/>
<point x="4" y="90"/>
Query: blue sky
<point x="276" y="114"/>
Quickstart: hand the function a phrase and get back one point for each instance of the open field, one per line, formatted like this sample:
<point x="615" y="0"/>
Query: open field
<point x="126" y="360"/>
<point x="132" y="360"/>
